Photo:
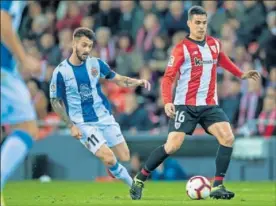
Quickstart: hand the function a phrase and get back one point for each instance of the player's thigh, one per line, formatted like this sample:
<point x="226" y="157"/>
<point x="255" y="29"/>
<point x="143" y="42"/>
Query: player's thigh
<point x="105" y="154"/>
<point x="223" y="132"/>
<point x="185" y="120"/>
<point x="16" y="105"/>
<point x="216" y="123"/>
<point x="92" y="137"/>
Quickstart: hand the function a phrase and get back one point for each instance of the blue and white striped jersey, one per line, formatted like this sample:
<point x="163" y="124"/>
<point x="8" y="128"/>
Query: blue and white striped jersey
<point x="14" y="9"/>
<point x="80" y="89"/>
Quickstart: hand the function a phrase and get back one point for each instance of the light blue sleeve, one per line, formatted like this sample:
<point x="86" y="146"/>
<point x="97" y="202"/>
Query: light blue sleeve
<point x="57" y="85"/>
<point x="105" y="70"/>
<point x="6" y="5"/>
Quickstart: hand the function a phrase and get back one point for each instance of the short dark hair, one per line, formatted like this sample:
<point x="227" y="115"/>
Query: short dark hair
<point x="83" y="31"/>
<point x="196" y="10"/>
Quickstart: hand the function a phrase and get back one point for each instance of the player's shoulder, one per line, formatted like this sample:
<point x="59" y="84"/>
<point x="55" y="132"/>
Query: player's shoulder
<point x="211" y="38"/>
<point x="62" y="67"/>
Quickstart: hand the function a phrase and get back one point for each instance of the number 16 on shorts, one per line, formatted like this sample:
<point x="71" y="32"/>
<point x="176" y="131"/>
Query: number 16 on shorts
<point x="179" y="119"/>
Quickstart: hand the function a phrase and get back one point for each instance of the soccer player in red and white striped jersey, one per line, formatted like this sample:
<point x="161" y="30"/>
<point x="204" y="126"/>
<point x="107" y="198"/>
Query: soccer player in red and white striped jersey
<point x="194" y="60"/>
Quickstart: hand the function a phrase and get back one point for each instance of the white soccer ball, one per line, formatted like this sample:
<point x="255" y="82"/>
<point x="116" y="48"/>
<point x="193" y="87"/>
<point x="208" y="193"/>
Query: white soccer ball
<point x="198" y="187"/>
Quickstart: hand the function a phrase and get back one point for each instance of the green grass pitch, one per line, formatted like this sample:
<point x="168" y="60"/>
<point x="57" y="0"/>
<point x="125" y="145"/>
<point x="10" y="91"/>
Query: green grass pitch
<point x="32" y="193"/>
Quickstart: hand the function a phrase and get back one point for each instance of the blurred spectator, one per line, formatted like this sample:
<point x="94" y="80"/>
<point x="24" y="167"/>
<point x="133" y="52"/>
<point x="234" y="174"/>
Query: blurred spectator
<point x="169" y="170"/>
<point x="272" y="78"/>
<point x="267" y="118"/>
<point x="34" y="10"/>
<point x="107" y="16"/>
<point x="105" y="45"/>
<point x="65" y="41"/>
<point x="176" y="18"/>
<point x="50" y="51"/>
<point x="135" y="118"/>
<point x="267" y="40"/>
<point x="269" y="5"/>
<point x="39" y="99"/>
<point x="249" y="30"/>
<point x="159" y="56"/>
<point x="128" y="60"/>
<point x="145" y="7"/>
<point x="72" y="18"/>
<point x="230" y="103"/>
<point x="88" y="22"/>
<point x="162" y="8"/>
<point x="128" y="18"/>
<point x="251" y="103"/>
<point x="216" y="17"/>
<point x="146" y="34"/>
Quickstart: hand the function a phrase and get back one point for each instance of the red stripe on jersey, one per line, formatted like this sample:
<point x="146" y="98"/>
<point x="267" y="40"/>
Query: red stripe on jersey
<point x="176" y="60"/>
<point x="196" y="73"/>
<point x="212" y="86"/>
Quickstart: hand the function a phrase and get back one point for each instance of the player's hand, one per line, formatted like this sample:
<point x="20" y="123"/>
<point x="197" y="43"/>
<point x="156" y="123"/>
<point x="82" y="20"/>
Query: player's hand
<point x="170" y="110"/>
<point x="251" y="75"/>
<point x="75" y="132"/>
<point x="31" y="65"/>
<point x="145" y="83"/>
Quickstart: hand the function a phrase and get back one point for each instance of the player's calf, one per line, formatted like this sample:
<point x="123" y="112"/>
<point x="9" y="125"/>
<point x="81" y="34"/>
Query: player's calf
<point x="174" y="142"/>
<point x="115" y="168"/>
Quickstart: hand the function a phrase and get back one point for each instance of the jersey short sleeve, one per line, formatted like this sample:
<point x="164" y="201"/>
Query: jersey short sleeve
<point x="57" y="85"/>
<point x="105" y="70"/>
<point x="6" y="5"/>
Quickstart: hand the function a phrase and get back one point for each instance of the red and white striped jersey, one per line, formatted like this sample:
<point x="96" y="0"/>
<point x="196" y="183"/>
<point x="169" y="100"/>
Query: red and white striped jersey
<point x="197" y="68"/>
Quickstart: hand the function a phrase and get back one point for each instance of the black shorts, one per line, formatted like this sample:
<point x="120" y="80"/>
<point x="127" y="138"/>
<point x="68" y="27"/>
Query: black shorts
<point x="187" y="117"/>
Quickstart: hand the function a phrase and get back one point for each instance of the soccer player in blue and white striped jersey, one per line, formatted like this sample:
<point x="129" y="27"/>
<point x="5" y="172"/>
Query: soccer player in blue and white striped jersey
<point x="76" y="95"/>
<point x="16" y="107"/>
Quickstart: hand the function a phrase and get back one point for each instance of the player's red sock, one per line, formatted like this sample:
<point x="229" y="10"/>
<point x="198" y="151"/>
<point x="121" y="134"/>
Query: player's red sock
<point x="218" y="180"/>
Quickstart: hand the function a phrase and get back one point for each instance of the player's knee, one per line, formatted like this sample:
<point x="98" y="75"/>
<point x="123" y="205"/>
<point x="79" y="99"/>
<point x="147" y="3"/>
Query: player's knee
<point x="228" y="139"/>
<point x="106" y="155"/>
<point x="173" y="143"/>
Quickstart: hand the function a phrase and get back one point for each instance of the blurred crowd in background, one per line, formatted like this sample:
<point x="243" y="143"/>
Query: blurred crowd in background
<point x="135" y="38"/>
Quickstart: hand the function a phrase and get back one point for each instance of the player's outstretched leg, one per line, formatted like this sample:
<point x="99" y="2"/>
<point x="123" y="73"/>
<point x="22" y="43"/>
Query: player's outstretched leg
<point x="174" y="142"/>
<point x="15" y="148"/>
<point x="115" y="168"/>
<point x="222" y="131"/>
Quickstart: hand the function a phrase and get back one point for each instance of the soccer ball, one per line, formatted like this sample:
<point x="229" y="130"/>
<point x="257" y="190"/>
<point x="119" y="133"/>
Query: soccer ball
<point x="198" y="187"/>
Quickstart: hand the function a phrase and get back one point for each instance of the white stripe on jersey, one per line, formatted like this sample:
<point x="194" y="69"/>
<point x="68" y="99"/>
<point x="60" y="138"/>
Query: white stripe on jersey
<point x="75" y="111"/>
<point x="185" y="76"/>
<point x="205" y="78"/>
<point x="16" y="11"/>
<point x="98" y="106"/>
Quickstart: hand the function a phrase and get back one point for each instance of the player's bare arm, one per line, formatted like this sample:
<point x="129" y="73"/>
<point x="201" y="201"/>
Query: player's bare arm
<point x="11" y="40"/>
<point x="124" y="81"/>
<point x="59" y="108"/>
<point x="227" y="64"/>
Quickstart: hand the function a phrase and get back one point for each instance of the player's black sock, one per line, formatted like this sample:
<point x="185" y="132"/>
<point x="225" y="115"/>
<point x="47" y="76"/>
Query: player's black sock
<point x="154" y="160"/>
<point x="222" y="162"/>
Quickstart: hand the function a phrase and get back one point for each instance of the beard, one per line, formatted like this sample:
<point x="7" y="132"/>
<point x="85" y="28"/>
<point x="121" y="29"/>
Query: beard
<point x="81" y="56"/>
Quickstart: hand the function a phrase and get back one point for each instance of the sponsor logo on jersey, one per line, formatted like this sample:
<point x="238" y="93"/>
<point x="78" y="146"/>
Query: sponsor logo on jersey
<point x="94" y="72"/>
<point x="214" y="48"/>
<point x="85" y="92"/>
<point x="171" y="61"/>
<point x="53" y="88"/>
<point x="199" y="62"/>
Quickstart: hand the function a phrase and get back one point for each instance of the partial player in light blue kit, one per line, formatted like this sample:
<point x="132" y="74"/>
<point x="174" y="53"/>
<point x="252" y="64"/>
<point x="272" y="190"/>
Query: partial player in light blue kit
<point x="16" y="107"/>
<point x="76" y="95"/>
